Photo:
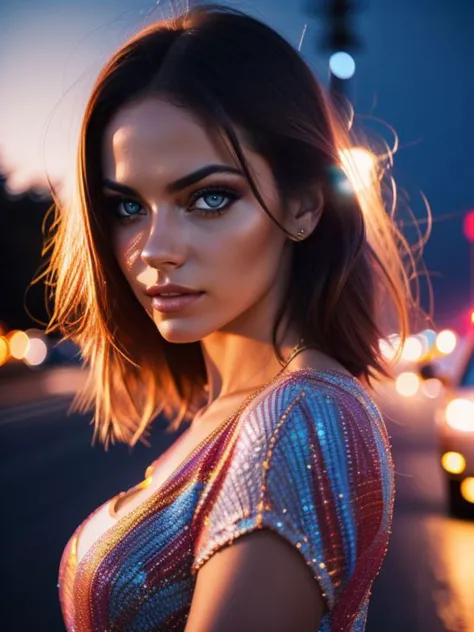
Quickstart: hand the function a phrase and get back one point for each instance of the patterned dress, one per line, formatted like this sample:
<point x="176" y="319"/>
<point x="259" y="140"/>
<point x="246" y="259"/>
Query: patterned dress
<point x="311" y="461"/>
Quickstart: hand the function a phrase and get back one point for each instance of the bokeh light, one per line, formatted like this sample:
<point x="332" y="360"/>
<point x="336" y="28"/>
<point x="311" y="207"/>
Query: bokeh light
<point x="468" y="226"/>
<point x="431" y="388"/>
<point x="467" y="489"/>
<point x="37" y="352"/>
<point x="427" y="338"/>
<point x="4" y="350"/>
<point x="389" y="346"/>
<point x="412" y="349"/>
<point x="19" y="344"/>
<point x="407" y="384"/>
<point x="453" y="462"/>
<point x="342" y="65"/>
<point x="446" y="341"/>
<point x="460" y="414"/>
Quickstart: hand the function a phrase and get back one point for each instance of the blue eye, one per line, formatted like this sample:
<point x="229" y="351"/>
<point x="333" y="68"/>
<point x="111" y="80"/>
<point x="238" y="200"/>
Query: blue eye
<point x="217" y="200"/>
<point x="214" y="198"/>
<point x="213" y="203"/>
<point x="128" y="208"/>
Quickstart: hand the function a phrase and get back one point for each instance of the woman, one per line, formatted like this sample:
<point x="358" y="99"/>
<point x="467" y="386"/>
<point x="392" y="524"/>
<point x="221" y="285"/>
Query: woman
<point x="216" y="268"/>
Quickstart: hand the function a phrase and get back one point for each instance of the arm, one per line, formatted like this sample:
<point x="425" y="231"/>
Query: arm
<point x="259" y="584"/>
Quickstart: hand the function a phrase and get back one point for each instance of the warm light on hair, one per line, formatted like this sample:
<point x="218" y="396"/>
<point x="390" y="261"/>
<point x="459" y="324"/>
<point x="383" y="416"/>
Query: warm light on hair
<point x="361" y="290"/>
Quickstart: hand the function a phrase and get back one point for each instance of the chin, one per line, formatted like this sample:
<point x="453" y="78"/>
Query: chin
<point x="179" y="332"/>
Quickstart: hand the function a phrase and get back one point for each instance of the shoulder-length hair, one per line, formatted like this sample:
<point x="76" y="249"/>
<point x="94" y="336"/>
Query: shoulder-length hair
<point x="348" y="285"/>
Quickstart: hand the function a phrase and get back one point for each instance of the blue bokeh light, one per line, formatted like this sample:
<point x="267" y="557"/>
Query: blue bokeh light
<point x="342" y="65"/>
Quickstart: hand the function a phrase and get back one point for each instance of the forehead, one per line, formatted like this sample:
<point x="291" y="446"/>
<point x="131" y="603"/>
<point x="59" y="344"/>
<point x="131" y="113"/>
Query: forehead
<point x="154" y="130"/>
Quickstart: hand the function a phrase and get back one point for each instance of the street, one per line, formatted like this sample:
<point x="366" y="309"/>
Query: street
<point x="52" y="479"/>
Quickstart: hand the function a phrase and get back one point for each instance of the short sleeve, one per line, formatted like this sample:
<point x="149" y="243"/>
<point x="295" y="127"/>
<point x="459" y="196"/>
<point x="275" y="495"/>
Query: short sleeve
<point x="310" y="463"/>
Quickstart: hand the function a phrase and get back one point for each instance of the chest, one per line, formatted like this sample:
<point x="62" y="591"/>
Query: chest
<point x="142" y="552"/>
<point x="139" y="573"/>
<point x="160" y="472"/>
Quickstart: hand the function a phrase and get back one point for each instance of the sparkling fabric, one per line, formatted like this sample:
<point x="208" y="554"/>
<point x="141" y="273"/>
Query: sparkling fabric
<point x="310" y="461"/>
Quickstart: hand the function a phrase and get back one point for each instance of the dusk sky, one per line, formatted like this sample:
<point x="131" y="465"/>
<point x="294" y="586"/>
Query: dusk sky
<point x="414" y="74"/>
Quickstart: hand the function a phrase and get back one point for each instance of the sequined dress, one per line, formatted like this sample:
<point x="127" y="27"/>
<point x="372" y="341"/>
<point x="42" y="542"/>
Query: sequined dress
<point x="310" y="461"/>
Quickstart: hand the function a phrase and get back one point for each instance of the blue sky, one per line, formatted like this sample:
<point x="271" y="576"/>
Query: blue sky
<point x="415" y="73"/>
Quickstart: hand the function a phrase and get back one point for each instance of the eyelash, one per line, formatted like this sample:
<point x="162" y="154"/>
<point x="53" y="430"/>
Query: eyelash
<point x="206" y="191"/>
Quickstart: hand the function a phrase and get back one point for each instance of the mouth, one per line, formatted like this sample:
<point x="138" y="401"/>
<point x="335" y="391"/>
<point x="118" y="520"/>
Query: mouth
<point x="167" y="304"/>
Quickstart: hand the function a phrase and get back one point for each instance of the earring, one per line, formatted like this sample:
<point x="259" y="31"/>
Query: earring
<point x="301" y="232"/>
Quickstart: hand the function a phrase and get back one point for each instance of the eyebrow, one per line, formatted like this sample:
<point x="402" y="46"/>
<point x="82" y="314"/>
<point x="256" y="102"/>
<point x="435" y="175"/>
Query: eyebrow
<point x="177" y="185"/>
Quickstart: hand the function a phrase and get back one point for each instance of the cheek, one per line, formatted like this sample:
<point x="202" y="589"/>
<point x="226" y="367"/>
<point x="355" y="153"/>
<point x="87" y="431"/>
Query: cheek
<point x="249" y="255"/>
<point x="127" y="248"/>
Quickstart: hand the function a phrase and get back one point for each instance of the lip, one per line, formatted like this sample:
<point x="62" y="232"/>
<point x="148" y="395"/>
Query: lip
<point x="168" y="304"/>
<point x="168" y="288"/>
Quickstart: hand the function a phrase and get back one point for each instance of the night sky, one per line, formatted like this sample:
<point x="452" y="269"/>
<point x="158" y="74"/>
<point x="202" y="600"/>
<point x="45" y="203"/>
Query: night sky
<point x="414" y="73"/>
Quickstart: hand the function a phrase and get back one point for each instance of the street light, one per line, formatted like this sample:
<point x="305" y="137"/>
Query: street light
<point x="340" y="39"/>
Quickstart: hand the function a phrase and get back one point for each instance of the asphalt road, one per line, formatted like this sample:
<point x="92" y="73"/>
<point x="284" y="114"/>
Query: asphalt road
<point x="51" y="479"/>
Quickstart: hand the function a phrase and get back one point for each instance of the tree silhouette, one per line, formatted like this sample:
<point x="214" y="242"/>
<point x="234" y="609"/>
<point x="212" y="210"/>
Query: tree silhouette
<point x="21" y="217"/>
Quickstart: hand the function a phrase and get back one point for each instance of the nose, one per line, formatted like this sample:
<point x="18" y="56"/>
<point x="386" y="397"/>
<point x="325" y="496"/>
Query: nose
<point x="164" y="246"/>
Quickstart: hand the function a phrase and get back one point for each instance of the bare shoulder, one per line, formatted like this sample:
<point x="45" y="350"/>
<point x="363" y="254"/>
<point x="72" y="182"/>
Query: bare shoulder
<point x="258" y="583"/>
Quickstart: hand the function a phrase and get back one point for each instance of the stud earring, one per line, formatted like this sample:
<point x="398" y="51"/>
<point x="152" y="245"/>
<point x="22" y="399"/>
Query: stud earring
<point x="301" y="232"/>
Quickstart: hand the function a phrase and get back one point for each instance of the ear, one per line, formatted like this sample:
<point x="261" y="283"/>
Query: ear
<point x="305" y="213"/>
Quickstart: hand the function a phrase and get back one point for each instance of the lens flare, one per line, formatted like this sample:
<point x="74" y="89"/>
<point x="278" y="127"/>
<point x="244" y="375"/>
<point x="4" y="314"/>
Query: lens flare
<point x="359" y="164"/>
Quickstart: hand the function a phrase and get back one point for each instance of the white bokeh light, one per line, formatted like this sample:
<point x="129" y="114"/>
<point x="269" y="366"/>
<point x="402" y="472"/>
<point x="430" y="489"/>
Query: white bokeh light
<point x="37" y="352"/>
<point x="407" y="384"/>
<point x="342" y="65"/>
<point x="412" y="349"/>
<point x="446" y="341"/>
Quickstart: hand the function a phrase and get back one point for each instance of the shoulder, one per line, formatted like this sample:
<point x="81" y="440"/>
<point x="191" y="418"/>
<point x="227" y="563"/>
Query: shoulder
<point x="314" y="385"/>
<point x="307" y="400"/>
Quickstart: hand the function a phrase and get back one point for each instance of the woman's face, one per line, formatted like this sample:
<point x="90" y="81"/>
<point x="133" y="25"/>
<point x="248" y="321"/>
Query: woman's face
<point x="211" y="236"/>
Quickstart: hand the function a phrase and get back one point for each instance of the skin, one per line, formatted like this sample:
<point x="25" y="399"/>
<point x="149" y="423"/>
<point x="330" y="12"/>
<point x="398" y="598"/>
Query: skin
<point x="239" y="258"/>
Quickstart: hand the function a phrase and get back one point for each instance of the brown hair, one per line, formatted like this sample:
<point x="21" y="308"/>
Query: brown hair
<point x="348" y="286"/>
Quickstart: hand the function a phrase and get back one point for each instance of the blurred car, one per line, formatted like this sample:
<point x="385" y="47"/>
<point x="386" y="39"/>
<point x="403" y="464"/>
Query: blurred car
<point x="454" y="423"/>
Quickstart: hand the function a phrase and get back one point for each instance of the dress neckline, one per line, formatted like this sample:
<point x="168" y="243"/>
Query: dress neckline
<point x="135" y="514"/>
<point x="234" y="417"/>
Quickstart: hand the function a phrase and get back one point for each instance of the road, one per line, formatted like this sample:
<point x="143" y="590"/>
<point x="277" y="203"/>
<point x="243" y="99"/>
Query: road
<point x="427" y="581"/>
<point x="52" y="478"/>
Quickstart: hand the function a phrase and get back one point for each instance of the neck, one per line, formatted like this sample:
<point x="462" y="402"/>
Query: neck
<point x="237" y="365"/>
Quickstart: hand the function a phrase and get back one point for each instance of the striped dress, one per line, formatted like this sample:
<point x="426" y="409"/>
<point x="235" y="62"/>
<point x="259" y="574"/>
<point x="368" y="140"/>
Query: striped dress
<point x="311" y="461"/>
